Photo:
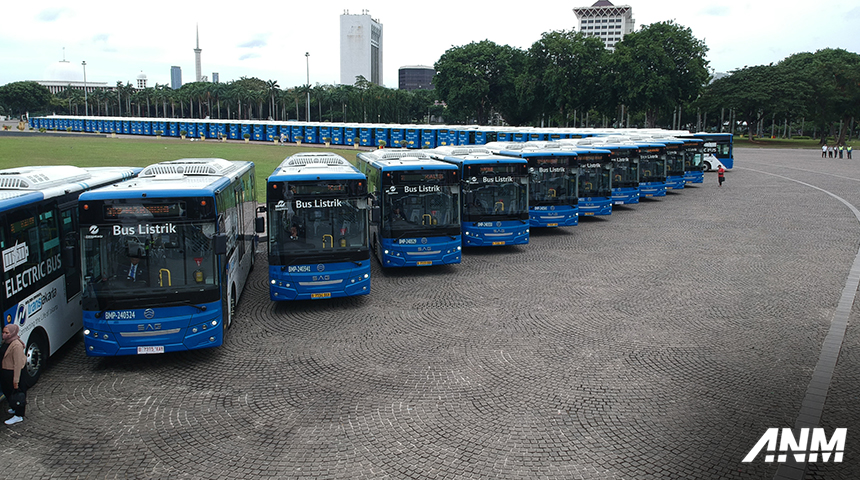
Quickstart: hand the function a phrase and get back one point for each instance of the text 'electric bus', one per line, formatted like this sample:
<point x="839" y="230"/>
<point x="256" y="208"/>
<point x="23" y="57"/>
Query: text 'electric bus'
<point x="553" y="198"/>
<point x="166" y="256"/>
<point x="718" y="145"/>
<point x="415" y="215"/>
<point x="494" y="191"/>
<point x="41" y="264"/>
<point x="318" y="228"/>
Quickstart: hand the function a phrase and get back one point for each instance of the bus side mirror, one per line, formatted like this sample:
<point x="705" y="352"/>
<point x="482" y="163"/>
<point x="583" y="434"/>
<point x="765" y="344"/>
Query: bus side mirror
<point x="260" y="224"/>
<point x="375" y="215"/>
<point x="220" y="244"/>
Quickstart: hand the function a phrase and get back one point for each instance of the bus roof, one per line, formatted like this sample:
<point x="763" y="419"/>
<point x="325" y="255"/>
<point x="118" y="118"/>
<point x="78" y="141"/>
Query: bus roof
<point x="315" y="166"/>
<point x="471" y="155"/>
<point x="24" y="185"/>
<point x="177" y="178"/>
<point x="403" y="159"/>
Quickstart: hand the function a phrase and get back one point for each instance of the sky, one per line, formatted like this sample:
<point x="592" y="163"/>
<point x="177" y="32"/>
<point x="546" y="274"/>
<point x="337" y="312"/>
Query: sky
<point x="268" y="40"/>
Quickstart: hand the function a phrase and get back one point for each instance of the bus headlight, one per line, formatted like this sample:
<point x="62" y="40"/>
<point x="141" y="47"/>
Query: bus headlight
<point x="86" y="331"/>
<point x="214" y="322"/>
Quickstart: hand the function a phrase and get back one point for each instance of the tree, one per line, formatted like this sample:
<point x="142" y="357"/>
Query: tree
<point x="657" y="67"/>
<point x="567" y="70"/>
<point x="477" y="78"/>
<point x="23" y="97"/>
<point x="273" y="88"/>
<point x="829" y="85"/>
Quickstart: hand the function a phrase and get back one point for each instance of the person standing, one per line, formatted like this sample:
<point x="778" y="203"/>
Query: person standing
<point x="721" y="175"/>
<point x="841" y="149"/>
<point x="13" y="363"/>
<point x="824" y="151"/>
<point x="848" y="149"/>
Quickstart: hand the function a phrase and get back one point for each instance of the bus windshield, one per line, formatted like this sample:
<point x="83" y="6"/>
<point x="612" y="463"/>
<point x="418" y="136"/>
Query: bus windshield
<point x="625" y="169"/>
<point x="132" y="266"/>
<point x="553" y="181"/>
<point x="420" y="210"/>
<point x="652" y="165"/>
<point x="303" y="226"/>
<point x="692" y="159"/>
<point x="495" y="192"/>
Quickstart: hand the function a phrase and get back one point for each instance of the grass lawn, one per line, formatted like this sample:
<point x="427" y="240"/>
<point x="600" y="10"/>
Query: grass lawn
<point x="90" y="150"/>
<point x="777" y="143"/>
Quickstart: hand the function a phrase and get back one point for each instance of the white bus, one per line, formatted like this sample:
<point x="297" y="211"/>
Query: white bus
<point x="41" y="263"/>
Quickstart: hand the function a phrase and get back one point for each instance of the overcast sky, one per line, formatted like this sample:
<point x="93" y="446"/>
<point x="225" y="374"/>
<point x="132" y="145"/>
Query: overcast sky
<point x="268" y="40"/>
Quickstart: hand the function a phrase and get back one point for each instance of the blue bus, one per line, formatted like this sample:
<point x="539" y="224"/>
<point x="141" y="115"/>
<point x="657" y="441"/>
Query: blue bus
<point x="595" y="181"/>
<point x="652" y="169"/>
<point x="693" y="169"/>
<point x="166" y="256"/>
<point x="675" y="163"/>
<point x="316" y="205"/>
<point x="494" y="191"/>
<point x="415" y="208"/>
<point x="41" y="261"/>
<point x="716" y="145"/>
<point x="625" y="166"/>
<point x="553" y="186"/>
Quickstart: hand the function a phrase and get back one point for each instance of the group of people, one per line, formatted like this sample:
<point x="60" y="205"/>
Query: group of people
<point x="835" y="151"/>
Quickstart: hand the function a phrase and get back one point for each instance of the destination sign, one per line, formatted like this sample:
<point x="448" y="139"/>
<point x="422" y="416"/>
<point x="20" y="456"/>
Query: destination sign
<point x="138" y="210"/>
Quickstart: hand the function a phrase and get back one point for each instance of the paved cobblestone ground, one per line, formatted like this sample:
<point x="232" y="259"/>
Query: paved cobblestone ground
<point x="659" y="342"/>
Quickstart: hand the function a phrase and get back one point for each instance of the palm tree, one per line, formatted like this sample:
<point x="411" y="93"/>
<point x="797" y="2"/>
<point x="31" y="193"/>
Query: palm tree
<point x="273" y="88"/>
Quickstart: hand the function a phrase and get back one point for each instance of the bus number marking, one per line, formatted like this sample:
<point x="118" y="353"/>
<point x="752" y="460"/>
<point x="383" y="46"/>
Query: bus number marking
<point x="120" y="315"/>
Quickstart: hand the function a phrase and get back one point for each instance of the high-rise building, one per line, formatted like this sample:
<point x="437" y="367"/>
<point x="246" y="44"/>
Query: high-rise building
<point x="198" y="71"/>
<point x="360" y="48"/>
<point x="215" y="77"/>
<point x="605" y="21"/>
<point x="415" y="77"/>
<point x="175" y="77"/>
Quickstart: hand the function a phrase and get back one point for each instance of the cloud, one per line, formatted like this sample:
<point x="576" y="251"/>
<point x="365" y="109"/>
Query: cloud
<point x="52" y="14"/>
<point x="259" y="42"/>
<point x="717" y="11"/>
<point x="102" y="40"/>
<point x="249" y="56"/>
<point x="853" y="13"/>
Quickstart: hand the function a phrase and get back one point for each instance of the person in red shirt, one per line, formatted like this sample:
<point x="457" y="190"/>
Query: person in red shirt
<point x="721" y="175"/>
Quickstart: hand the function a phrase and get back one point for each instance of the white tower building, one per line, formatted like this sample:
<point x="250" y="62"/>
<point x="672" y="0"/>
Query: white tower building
<point x="198" y="71"/>
<point x="605" y="21"/>
<point x="360" y="48"/>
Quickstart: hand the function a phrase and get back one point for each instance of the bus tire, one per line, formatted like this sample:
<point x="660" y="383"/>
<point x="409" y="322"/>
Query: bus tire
<point x="707" y="166"/>
<point x="37" y="357"/>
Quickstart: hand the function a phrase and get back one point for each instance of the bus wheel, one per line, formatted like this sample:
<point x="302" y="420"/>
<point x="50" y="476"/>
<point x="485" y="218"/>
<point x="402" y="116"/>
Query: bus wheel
<point x="37" y="358"/>
<point x="707" y="166"/>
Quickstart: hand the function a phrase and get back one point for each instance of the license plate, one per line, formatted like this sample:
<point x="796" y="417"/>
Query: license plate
<point x="649" y="194"/>
<point x="425" y="263"/>
<point x="498" y="243"/>
<point x="150" y="350"/>
<point x="551" y="224"/>
<point x="588" y="213"/>
<point x="618" y="202"/>
<point x="321" y="295"/>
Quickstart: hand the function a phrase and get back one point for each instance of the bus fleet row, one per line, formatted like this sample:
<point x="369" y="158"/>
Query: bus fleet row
<point x="154" y="260"/>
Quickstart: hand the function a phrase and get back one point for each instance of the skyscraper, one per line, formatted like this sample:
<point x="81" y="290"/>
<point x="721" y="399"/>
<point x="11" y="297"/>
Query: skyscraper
<point x="175" y="77"/>
<point x="360" y="48"/>
<point x="197" y="67"/>
<point x="605" y="21"/>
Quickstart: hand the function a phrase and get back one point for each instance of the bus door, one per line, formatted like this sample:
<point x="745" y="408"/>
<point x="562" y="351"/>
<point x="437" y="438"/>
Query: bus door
<point x="71" y="263"/>
<point x="239" y="197"/>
